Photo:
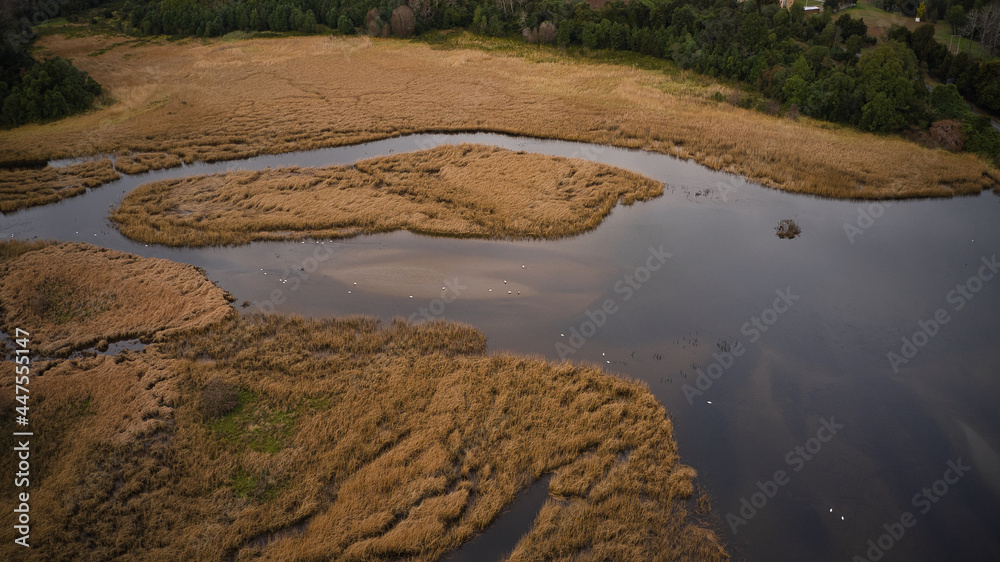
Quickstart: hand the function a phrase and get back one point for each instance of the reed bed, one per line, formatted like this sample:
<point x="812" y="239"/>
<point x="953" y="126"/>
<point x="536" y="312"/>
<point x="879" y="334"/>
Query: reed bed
<point x="71" y="296"/>
<point x="26" y="187"/>
<point x="222" y="100"/>
<point x="139" y="163"/>
<point x="464" y="190"/>
<point x="349" y="440"/>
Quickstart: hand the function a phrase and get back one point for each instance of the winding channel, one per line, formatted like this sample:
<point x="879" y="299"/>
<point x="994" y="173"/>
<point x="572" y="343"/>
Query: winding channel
<point x="830" y="306"/>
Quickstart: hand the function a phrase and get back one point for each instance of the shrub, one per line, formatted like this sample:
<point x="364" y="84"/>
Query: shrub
<point x="981" y="137"/>
<point x="787" y="229"/>
<point x="948" y="102"/>
<point x="373" y="23"/>
<point x="344" y="25"/>
<point x="547" y="32"/>
<point x="403" y="22"/>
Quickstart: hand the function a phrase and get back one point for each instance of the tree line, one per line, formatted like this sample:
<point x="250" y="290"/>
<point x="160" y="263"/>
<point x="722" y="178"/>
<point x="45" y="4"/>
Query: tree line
<point x="823" y="65"/>
<point x="30" y="90"/>
<point x="48" y="90"/>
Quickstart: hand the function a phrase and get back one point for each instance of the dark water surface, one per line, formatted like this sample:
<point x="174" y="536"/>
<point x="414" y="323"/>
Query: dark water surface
<point x="870" y="438"/>
<point x="496" y="542"/>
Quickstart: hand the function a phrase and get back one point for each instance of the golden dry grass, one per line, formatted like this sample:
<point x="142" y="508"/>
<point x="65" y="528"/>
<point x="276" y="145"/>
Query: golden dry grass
<point x="70" y="296"/>
<point x="349" y="440"/>
<point x="352" y="441"/>
<point x="139" y="163"/>
<point x="27" y="187"/>
<point x="465" y="190"/>
<point x="218" y="100"/>
<point x="10" y="249"/>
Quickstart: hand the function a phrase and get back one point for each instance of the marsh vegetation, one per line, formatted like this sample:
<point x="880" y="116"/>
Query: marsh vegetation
<point x="300" y="93"/>
<point x="345" y="438"/>
<point x="27" y="187"/>
<point x="465" y="190"/>
<point x="76" y="295"/>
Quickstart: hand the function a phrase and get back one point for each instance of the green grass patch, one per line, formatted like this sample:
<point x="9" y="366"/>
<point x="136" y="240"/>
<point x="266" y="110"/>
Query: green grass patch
<point x="54" y="22"/>
<point x="318" y="404"/>
<point x="256" y="486"/>
<point x="82" y="407"/>
<point x="244" y="483"/>
<point x="876" y="17"/>
<point x="254" y="425"/>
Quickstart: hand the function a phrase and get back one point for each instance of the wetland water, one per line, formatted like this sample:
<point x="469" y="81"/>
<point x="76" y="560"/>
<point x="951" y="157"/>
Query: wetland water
<point x="812" y="392"/>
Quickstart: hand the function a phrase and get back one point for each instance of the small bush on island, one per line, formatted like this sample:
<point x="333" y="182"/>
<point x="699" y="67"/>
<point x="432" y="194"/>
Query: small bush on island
<point x="787" y="228"/>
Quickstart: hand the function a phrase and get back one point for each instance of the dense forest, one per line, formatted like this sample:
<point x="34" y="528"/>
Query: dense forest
<point x="30" y="90"/>
<point x="822" y="64"/>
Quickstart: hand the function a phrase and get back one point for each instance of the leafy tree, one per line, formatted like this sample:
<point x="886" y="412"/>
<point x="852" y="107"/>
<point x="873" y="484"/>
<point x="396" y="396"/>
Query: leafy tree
<point x="881" y="114"/>
<point x="966" y="73"/>
<point x="988" y="85"/>
<point x="589" y="35"/>
<point x="922" y="40"/>
<point x="49" y="90"/>
<point x="853" y="47"/>
<point x="798" y="12"/>
<point x="344" y="25"/>
<point x="796" y="90"/>
<point x="837" y="100"/>
<point x="850" y="27"/>
<point x="900" y="34"/>
<point x="565" y="33"/>
<point x="887" y="82"/>
<point x="981" y="137"/>
<point x="947" y="102"/>
<point x="956" y="17"/>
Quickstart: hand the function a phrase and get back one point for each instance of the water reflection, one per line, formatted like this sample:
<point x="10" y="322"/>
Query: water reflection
<point x="826" y="356"/>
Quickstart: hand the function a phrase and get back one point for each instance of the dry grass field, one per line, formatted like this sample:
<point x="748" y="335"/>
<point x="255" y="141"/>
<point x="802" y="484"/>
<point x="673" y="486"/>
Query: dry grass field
<point x="284" y="438"/>
<point x="139" y="163"/>
<point x="27" y="187"/>
<point x="464" y="190"/>
<point x="70" y="296"/>
<point x="217" y="100"/>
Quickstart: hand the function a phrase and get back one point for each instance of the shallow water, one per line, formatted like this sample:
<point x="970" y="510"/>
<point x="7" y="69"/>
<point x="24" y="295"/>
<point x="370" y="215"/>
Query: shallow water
<point x="824" y="357"/>
<point x="516" y="520"/>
